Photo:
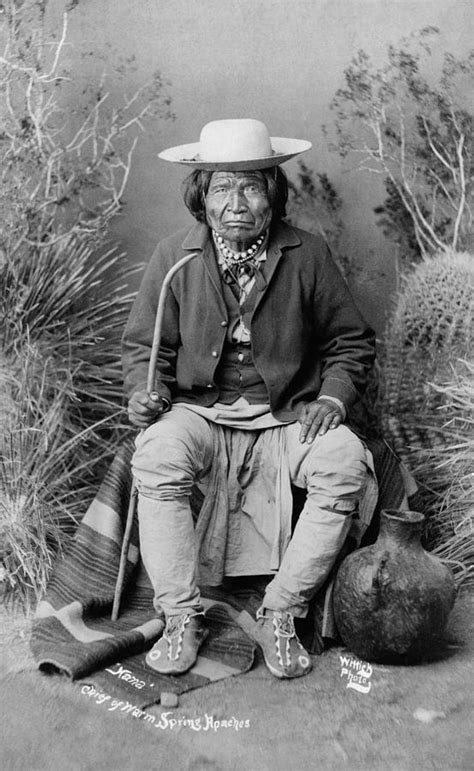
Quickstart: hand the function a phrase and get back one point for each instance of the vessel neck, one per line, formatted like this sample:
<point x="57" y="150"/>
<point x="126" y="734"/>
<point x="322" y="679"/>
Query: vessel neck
<point x="402" y="527"/>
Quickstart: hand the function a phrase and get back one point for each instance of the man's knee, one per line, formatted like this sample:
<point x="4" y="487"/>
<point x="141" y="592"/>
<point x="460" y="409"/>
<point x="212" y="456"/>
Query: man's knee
<point x="340" y="448"/>
<point x="173" y="451"/>
<point x="337" y="471"/>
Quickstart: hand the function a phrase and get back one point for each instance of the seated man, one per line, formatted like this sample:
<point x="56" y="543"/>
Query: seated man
<point x="261" y="336"/>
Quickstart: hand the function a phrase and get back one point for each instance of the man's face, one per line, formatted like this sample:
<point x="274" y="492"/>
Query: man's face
<point x="237" y="206"/>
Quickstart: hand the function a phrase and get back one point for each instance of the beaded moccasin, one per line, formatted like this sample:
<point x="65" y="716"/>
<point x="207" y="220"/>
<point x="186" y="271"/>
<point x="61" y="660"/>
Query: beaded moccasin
<point x="284" y="655"/>
<point x="177" y="650"/>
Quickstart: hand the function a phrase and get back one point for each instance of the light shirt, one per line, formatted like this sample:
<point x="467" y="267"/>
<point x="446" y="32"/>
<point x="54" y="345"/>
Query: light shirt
<point x="240" y="334"/>
<point x="241" y="414"/>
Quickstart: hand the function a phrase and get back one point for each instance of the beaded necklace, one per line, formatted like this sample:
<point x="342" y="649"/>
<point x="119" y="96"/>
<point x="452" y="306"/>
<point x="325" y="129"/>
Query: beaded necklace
<point x="237" y="258"/>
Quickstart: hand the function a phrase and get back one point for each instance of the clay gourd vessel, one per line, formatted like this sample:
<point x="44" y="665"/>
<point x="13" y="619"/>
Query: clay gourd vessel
<point x="392" y="599"/>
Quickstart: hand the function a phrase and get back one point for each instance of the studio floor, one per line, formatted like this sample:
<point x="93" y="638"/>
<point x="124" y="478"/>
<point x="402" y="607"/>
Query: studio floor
<point x="385" y="718"/>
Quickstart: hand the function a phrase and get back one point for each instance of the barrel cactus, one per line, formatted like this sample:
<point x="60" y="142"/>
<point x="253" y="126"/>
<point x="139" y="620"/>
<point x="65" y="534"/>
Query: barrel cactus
<point x="429" y="330"/>
<point x="426" y="398"/>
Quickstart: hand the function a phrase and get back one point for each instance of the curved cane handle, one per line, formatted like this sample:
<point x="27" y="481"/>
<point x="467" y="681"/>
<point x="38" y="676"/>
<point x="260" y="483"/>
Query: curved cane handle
<point x="160" y="312"/>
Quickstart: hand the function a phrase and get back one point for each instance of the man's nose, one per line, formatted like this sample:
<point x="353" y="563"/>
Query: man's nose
<point x="237" y="200"/>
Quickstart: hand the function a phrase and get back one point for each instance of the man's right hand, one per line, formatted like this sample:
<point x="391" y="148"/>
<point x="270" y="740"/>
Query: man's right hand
<point x="144" y="408"/>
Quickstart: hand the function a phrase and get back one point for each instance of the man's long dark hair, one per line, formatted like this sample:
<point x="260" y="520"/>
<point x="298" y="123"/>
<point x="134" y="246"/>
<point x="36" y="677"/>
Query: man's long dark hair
<point x="195" y="189"/>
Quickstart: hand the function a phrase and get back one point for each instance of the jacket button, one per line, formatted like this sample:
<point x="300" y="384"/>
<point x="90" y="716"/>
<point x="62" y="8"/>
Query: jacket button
<point x="240" y="357"/>
<point x="209" y="385"/>
<point x="215" y="354"/>
<point x="223" y="323"/>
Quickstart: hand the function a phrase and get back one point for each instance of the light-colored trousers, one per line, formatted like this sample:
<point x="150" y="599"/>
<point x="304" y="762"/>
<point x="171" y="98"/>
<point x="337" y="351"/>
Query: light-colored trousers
<point x="175" y="452"/>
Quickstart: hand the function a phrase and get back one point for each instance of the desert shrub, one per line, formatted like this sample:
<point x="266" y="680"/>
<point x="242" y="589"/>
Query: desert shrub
<point x="66" y="155"/>
<point x="409" y="122"/>
<point x="315" y="205"/>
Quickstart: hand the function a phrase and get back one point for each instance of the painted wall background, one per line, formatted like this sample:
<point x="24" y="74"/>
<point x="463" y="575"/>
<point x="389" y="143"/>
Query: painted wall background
<point x="280" y="61"/>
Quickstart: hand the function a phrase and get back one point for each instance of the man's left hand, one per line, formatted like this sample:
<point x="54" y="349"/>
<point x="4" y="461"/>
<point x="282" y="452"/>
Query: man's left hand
<point x="317" y="417"/>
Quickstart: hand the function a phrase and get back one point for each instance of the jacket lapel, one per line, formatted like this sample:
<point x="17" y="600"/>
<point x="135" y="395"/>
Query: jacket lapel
<point x="281" y="237"/>
<point x="198" y="239"/>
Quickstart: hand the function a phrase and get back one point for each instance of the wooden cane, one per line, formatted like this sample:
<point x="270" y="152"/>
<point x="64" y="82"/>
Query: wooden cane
<point x="155" y="348"/>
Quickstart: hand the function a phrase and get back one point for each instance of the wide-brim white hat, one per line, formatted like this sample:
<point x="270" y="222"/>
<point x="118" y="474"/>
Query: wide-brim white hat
<point x="235" y="145"/>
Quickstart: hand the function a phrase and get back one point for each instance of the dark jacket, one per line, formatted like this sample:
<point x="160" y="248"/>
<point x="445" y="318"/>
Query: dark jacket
<point x="308" y="338"/>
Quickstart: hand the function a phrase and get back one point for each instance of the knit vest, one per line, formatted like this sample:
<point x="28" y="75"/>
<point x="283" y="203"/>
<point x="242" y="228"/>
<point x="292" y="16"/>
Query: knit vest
<point x="236" y="374"/>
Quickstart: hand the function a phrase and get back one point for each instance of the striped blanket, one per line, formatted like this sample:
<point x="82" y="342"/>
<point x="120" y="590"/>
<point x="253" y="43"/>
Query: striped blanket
<point x="73" y="632"/>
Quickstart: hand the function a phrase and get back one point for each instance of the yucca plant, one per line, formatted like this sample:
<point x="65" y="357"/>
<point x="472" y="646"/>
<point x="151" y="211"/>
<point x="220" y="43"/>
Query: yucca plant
<point x="60" y="386"/>
<point x="63" y="292"/>
<point x="71" y="300"/>
<point x="44" y="468"/>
